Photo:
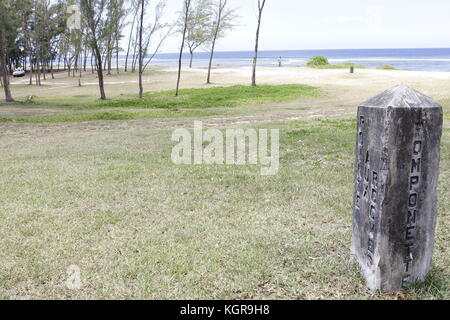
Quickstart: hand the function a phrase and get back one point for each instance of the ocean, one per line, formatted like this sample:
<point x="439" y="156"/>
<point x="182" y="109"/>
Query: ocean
<point x="412" y="59"/>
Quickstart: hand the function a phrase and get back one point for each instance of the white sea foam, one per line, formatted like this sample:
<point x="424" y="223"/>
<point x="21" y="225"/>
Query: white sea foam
<point x="391" y="59"/>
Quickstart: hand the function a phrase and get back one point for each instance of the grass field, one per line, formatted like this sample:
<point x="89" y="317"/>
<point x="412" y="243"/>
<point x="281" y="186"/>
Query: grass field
<point x="164" y="104"/>
<point x="105" y="196"/>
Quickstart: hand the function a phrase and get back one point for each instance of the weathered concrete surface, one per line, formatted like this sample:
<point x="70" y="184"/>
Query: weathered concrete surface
<point x="395" y="202"/>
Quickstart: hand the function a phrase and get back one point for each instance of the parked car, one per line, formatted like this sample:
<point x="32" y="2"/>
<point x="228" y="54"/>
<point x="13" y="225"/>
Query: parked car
<point x="19" y="72"/>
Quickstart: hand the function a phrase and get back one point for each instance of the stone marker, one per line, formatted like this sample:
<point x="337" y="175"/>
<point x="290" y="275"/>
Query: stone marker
<point x="395" y="201"/>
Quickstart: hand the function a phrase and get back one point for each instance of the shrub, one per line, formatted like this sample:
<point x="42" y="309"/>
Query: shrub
<point x="386" y="67"/>
<point x="317" y="61"/>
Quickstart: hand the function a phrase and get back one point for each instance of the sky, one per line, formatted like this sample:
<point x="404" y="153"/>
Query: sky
<point x="333" y="24"/>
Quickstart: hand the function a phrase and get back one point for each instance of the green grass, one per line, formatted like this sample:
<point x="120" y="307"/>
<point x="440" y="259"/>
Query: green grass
<point x="164" y="104"/>
<point x="114" y="115"/>
<point x="319" y="62"/>
<point x="140" y="227"/>
<point x="338" y="66"/>
<point x="217" y="97"/>
<point x="386" y="67"/>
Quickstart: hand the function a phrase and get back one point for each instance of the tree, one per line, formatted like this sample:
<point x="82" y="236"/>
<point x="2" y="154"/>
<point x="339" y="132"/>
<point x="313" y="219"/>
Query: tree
<point x="93" y="11"/>
<point x="198" y="26"/>
<point x="223" y="21"/>
<point x="112" y="30"/>
<point x="150" y="37"/>
<point x="141" y="53"/>
<point x="157" y="33"/>
<point x="261" y="4"/>
<point x="185" y="16"/>
<point x="134" y="9"/>
<point x="4" y="25"/>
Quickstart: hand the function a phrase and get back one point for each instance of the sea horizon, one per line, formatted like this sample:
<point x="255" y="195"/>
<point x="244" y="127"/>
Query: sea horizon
<point x="421" y="59"/>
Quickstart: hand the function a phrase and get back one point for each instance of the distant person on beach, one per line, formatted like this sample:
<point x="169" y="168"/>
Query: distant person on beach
<point x="279" y="61"/>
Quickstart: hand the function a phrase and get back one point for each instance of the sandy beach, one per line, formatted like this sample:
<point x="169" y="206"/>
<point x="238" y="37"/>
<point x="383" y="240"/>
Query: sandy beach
<point x="362" y="84"/>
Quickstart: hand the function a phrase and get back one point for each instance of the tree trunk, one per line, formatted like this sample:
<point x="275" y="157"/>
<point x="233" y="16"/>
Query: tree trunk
<point x="129" y="43"/>
<point x="101" y="83"/>
<point x="38" y="75"/>
<point x="255" y="58"/>
<point x="3" y="72"/>
<point x="109" y="56"/>
<point x="96" y="50"/>
<point x="187" y="5"/>
<point x="117" y="56"/>
<point x="100" y="71"/>
<point x="44" y="69"/>
<point x="85" y="59"/>
<point x="51" y="69"/>
<point x="190" y="60"/>
<point x="141" y="29"/>
<point x="75" y="66"/>
<point x="208" y="79"/>
<point x="216" y="33"/>
<point x="31" y="71"/>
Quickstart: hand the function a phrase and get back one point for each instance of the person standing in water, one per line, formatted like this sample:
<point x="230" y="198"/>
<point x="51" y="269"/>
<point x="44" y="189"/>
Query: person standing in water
<point x="279" y="61"/>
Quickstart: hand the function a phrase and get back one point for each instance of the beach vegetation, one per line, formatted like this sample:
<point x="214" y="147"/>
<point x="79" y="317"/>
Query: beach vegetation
<point x="320" y="62"/>
<point x="386" y="67"/>
<point x="162" y="104"/>
<point x="317" y="61"/>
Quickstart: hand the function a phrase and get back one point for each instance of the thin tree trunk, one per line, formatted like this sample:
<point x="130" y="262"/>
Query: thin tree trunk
<point x="187" y="5"/>
<point x="44" y="70"/>
<point x="4" y="75"/>
<point x="109" y="56"/>
<point x="190" y="60"/>
<point x="99" y="71"/>
<point x="81" y="71"/>
<point x="255" y="58"/>
<point x="51" y="69"/>
<point x="141" y="58"/>
<point x="92" y="62"/>
<point x="75" y="66"/>
<point x="129" y="43"/>
<point x="85" y="59"/>
<point x="38" y="68"/>
<point x="133" y="63"/>
<point x="208" y="79"/>
<point x="31" y="71"/>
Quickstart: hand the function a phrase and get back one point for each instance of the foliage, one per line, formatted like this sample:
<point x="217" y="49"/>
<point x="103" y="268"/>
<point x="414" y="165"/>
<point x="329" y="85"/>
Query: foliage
<point x="386" y="67"/>
<point x="162" y="104"/>
<point x="198" y="25"/>
<point x="320" y="62"/>
<point x="317" y="61"/>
